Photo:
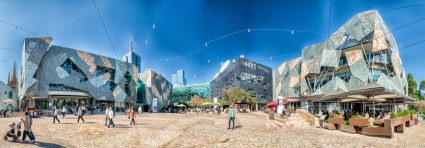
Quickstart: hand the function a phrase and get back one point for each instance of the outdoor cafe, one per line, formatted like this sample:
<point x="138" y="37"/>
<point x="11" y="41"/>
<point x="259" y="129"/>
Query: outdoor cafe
<point x="371" y="110"/>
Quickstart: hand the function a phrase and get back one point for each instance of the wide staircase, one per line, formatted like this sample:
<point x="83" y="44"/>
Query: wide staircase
<point x="300" y="118"/>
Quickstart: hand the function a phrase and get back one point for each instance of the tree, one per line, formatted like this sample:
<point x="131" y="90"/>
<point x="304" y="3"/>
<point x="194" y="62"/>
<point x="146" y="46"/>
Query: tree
<point x="421" y="106"/>
<point x="422" y="88"/>
<point x="412" y="86"/>
<point x="233" y="95"/>
<point x="196" y="101"/>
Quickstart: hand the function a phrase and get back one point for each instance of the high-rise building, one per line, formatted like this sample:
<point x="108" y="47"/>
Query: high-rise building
<point x="179" y="78"/>
<point x="174" y="78"/>
<point x="132" y="57"/>
<point x="244" y="74"/>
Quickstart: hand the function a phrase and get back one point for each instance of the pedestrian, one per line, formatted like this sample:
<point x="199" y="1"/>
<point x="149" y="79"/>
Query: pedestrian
<point x="27" y="128"/>
<point x="232" y="116"/>
<point x="140" y="110"/>
<point x="132" y="116"/>
<point x="5" y="112"/>
<point x="106" y="115"/>
<point x="111" y="116"/>
<point x="63" y="112"/>
<point x="80" y="114"/>
<point x="55" y="115"/>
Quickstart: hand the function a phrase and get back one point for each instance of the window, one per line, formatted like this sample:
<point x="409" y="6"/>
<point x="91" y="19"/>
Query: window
<point x="71" y="67"/>
<point x="375" y="74"/>
<point x="342" y="61"/>
<point x="127" y="84"/>
<point x="10" y="94"/>
<point x="62" y="87"/>
<point x="110" y="86"/>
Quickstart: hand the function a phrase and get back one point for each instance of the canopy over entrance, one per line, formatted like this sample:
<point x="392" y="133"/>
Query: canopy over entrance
<point x="371" y="92"/>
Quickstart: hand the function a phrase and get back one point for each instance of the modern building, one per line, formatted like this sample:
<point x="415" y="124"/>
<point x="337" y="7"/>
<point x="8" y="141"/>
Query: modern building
<point x="8" y="97"/>
<point x="244" y="74"/>
<point x="155" y="90"/>
<point x="179" y="78"/>
<point x="356" y="67"/>
<point x="132" y="57"/>
<point x="54" y="76"/>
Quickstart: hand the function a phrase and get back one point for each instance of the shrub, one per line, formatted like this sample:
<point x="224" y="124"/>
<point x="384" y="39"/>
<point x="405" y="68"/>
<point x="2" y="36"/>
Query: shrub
<point x="333" y="115"/>
<point x="403" y="113"/>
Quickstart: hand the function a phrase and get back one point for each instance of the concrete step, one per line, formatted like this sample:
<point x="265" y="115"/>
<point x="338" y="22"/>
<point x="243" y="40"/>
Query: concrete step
<point x="294" y="120"/>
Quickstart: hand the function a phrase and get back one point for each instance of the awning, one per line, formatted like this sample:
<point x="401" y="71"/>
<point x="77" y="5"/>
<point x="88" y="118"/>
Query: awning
<point x="371" y="92"/>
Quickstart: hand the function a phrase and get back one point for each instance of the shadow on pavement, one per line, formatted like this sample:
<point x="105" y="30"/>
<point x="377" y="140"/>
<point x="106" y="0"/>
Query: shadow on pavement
<point x="66" y="123"/>
<point x="44" y="144"/>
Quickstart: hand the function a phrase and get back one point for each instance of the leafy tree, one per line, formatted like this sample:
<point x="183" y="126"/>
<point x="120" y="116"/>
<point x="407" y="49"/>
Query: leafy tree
<point x="421" y="106"/>
<point x="196" y="101"/>
<point x="422" y="88"/>
<point x="412" y="87"/>
<point x="233" y="95"/>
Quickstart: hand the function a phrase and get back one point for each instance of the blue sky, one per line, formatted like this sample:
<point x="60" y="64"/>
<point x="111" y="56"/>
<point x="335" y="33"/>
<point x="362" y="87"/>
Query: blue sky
<point x="183" y="27"/>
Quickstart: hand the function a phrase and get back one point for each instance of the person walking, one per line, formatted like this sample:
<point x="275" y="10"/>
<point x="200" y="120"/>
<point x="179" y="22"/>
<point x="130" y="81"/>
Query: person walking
<point x="5" y="113"/>
<point x="111" y="116"/>
<point x="232" y="114"/>
<point x="63" y="112"/>
<point x="27" y="128"/>
<point x="140" y="110"/>
<point x="132" y="116"/>
<point x="80" y="114"/>
<point x="55" y="115"/>
<point x="106" y="115"/>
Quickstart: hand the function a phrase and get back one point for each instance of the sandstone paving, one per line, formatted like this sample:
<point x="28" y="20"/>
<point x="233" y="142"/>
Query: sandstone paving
<point x="203" y="130"/>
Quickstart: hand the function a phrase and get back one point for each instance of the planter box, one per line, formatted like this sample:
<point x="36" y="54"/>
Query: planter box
<point x="348" y="128"/>
<point x="336" y="120"/>
<point x="358" y="122"/>
<point x="378" y="131"/>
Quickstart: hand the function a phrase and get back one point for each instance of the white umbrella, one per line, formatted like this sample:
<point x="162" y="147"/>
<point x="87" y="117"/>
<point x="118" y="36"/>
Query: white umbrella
<point x="9" y="101"/>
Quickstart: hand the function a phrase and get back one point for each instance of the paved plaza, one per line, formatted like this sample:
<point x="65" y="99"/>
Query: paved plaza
<point x="206" y="130"/>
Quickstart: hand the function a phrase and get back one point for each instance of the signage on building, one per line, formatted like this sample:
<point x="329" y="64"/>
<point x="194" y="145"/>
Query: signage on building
<point x="154" y="105"/>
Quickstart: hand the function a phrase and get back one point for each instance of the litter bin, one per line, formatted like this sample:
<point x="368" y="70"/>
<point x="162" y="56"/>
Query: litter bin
<point x="271" y="116"/>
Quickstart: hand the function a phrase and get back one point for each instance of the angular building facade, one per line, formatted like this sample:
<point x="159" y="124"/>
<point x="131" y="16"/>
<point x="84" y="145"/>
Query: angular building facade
<point x="244" y="74"/>
<point x="155" y="90"/>
<point x="54" y="76"/>
<point x="362" y="54"/>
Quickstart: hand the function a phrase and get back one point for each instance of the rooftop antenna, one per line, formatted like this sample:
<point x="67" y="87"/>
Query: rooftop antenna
<point x="131" y="42"/>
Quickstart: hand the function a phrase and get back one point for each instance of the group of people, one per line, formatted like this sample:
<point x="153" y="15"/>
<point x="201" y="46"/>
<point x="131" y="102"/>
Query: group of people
<point x="110" y="114"/>
<point x="6" y="113"/>
<point x="80" y="113"/>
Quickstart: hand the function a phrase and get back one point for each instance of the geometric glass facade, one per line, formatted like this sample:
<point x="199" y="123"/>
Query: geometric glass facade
<point x="63" y="76"/>
<point x="360" y="53"/>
